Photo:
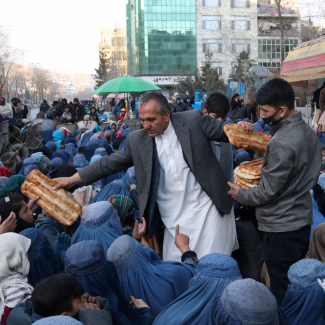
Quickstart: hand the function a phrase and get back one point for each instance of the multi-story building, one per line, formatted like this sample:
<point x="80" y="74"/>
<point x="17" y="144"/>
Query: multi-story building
<point x="113" y="44"/>
<point x="168" y="40"/>
<point x="161" y="39"/>
<point x="225" y="28"/>
<point x="269" y="32"/>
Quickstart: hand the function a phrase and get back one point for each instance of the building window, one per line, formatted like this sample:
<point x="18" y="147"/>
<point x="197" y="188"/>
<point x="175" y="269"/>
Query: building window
<point x="272" y="65"/>
<point x="240" y="22"/>
<point x="234" y="68"/>
<point x="289" y="45"/>
<point x="239" y="45"/>
<point x="212" y="45"/>
<point x="124" y="55"/>
<point x="211" y="22"/>
<point x="211" y="3"/>
<point x="124" y="42"/>
<point x="240" y="3"/>
<point x="218" y="66"/>
<point x="271" y="48"/>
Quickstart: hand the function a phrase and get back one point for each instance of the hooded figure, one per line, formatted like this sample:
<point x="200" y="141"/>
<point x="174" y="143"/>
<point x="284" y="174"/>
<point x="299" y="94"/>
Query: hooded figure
<point x="56" y="162"/>
<point x="47" y="136"/>
<point x="85" y="137"/>
<point x="214" y="273"/>
<point x="101" y="151"/>
<point x="40" y="255"/>
<point x="111" y="189"/>
<point x="58" y="320"/>
<point x="71" y="149"/>
<point x="95" y="158"/>
<point x="99" y="222"/>
<point x="29" y="165"/>
<point x="304" y="302"/>
<point x="13" y="185"/>
<point x="86" y="261"/>
<point x="179" y="106"/>
<point x="44" y="163"/>
<point x="58" y="138"/>
<point x="64" y="155"/>
<point x="245" y="302"/>
<point x="3" y="181"/>
<point x="51" y="146"/>
<point x="90" y="149"/>
<point x="142" y="272"/>
<point x="44" y="107"/>
<point x="14" y="268"/>
<point x="104" y="144"/>
<point x="80" y="160"/>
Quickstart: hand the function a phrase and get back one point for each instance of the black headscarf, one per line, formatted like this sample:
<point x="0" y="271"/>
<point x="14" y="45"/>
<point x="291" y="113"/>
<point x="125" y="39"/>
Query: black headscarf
<point x="43" y="150"/>
<point x="5" y="213"/>
<point x="64" y="170"/>
<point x="19" y="166"/>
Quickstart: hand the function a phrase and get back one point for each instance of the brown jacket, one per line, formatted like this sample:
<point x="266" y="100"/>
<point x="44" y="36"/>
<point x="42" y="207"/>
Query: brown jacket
<point x="322" y="100"/>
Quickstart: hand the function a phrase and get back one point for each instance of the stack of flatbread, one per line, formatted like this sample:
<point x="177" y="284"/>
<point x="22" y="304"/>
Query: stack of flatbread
<point x="248" y="175"/>
<point x="57" y="204"/>
<point x="240" y="139"/>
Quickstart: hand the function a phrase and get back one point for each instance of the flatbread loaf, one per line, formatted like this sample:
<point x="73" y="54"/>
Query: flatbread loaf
<point x="240" y="139"/>
<point x="253" y="168"/>
<point x="57" y="204"/>
<point x="242" y="175"/>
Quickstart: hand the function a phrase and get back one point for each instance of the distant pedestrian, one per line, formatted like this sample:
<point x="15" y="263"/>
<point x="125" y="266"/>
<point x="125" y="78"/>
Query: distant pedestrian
<point x="44" y="107"/>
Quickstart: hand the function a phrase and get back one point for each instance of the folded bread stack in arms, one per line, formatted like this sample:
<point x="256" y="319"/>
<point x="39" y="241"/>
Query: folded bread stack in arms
<point x="57" y="204"/>
<point x="240" y="139"/>
<point x="248" y="175"/>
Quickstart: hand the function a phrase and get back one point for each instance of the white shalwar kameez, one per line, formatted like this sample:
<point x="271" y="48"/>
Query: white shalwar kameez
<point x="182" y="201"/>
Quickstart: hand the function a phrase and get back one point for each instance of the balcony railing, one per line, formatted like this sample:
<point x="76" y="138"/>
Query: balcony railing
<point x="277" y="33"/>
<point x="271" y="9"/>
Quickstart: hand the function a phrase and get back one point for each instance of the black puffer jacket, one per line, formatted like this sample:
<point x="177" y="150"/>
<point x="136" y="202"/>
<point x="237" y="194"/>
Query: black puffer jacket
<point x="179" y="106"/>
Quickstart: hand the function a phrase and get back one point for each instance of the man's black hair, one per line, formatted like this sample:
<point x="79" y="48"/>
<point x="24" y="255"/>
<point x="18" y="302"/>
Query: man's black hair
<point x="55" y="102"/>
<point x="54" y="295"/>
<point x="64" y="100"/>
<point x="218" y="104"/>
<point x="276" y="93"/>
<point x="76" y="100"/>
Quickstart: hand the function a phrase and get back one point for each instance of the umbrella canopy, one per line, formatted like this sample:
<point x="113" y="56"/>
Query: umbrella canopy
<point x="125" y="84"/>
<point x="119" y="96"/>
<point x="305" y="62"/>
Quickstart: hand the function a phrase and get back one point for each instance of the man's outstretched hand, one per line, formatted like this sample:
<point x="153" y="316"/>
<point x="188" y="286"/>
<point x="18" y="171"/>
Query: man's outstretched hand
<point x="233" y="192"/>
<point x="67" y="182"/>
<point x="247" y="127"/>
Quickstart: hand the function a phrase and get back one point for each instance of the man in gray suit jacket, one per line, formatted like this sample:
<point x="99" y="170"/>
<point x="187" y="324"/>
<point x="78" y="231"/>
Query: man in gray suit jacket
<point x="179" y="178"/>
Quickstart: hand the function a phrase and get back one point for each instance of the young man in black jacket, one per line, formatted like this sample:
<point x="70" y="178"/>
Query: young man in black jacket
<point x="291" y="166"/>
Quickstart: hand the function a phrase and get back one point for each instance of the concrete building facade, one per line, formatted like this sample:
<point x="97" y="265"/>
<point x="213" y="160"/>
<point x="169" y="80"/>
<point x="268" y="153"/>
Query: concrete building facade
<point x="225" y="28"/>
<point x="113" y="43"/>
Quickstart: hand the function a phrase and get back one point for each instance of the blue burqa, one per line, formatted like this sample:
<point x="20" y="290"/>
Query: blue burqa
<point x="245" y="302"/>
<point x="100" y="222"/>
<point x="214" y="273"/>
<point x="58" y="138"/>
<point x="40" y="255"/>
<point x="86" y="261"/>
<point x="29" y="164"/>
<point x="71" y="149"/>
<point x="47" y="135"/>
<point x="145" y="276"/>
<point x="304" y="302"/>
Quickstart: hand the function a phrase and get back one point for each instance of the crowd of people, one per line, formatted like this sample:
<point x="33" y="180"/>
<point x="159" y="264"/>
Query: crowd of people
<point x="165" y="237"/>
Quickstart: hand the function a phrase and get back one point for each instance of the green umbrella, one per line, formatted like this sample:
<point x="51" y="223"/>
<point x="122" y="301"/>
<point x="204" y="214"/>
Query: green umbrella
<point x="125" y="84"/>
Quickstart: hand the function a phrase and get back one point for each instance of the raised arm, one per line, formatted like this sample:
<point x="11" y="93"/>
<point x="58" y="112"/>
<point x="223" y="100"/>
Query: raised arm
<point x="102" y="168"/>
<point x="213" y="129"/>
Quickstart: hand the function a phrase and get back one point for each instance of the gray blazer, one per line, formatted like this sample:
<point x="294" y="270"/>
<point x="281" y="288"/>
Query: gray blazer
<point x="194" y="132"/>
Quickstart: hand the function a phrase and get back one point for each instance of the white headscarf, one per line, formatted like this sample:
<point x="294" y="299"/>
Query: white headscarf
<point x="14" y="267"/>
<point x="13" y="250"/>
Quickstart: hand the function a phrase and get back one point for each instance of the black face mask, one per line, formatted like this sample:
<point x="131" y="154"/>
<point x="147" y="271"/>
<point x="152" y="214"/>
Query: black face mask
<point x="270" y="121"/>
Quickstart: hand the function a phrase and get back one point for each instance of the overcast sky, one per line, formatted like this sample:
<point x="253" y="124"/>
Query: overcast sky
<point x="64" y="34"/>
